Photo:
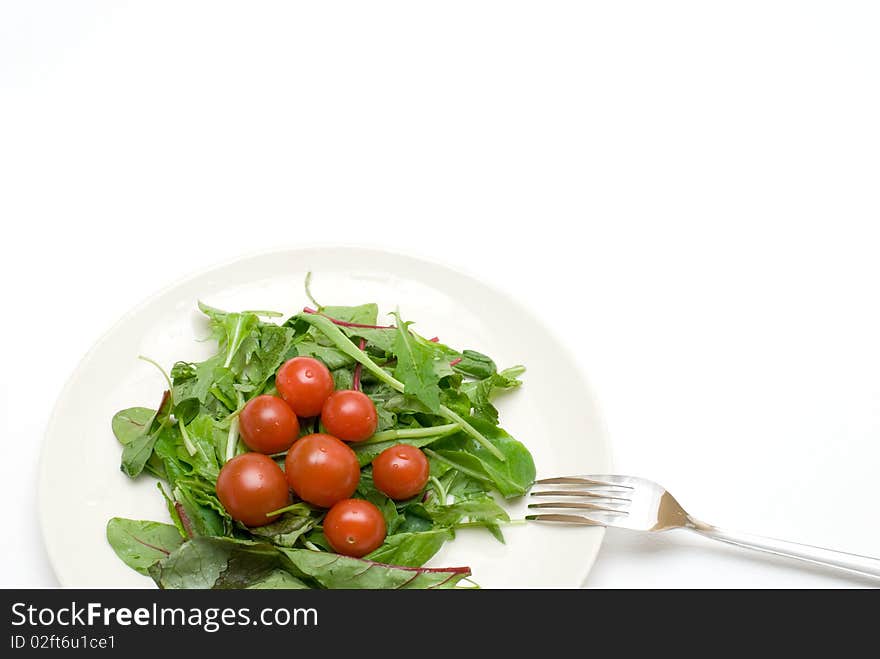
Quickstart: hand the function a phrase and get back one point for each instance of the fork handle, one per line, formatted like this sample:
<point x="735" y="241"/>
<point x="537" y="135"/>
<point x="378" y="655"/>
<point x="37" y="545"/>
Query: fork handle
<point x="854" y="563"/>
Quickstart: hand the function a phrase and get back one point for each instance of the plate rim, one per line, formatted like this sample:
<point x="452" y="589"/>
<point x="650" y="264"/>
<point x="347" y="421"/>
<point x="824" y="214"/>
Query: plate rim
<point x="416" y="258"/>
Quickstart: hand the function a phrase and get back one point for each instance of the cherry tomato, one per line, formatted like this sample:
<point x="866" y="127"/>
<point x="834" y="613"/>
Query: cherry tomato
<point x="268" y="425"/>
<point x="251" y="485"/>
<point x="322" y="470"/>
<point x="349" y="415"/>
<point x="354" y="527"/>
<point x="401" y="471"/>
<point x="304" y="383"/>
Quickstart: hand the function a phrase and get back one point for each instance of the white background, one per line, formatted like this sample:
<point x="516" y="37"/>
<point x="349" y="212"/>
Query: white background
<point x="687" y="191"/>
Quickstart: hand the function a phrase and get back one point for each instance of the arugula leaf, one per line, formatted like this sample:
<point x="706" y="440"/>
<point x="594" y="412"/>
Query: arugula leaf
<point x="415" y="368"/>
<point x="274" y="342"/>
<point x="192" y="386"/>
<point x="208" y="438"/>
<point x="481" y="392"/>
<point x="480" y="508"/>
<point x="140" y="544"/>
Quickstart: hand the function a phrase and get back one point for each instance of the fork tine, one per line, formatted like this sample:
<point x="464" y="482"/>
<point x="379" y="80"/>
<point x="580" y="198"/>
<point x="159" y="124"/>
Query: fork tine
<point x="579" y="480"/>
<point x="578" y="505"/>
<point x="579" y="493"/>
<point x="569" y="519"/>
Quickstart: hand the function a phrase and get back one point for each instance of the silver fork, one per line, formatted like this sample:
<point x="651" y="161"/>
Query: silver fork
<point x="638" y="504"/>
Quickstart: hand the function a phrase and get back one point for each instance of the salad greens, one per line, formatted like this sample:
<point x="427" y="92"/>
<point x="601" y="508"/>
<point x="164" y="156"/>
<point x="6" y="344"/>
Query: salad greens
<point x="426" y="394"/>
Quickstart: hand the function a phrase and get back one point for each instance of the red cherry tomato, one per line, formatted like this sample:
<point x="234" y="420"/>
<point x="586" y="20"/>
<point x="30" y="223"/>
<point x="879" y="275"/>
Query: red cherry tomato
<point x="251" y="485"/>
<point x="268" y="425"/>
<point x="349" y="415"/>
<point x="304" y="383"/>
<point x="322" y="470"/>
<point x="400" y="471"/>
<point x="354" y="527"/>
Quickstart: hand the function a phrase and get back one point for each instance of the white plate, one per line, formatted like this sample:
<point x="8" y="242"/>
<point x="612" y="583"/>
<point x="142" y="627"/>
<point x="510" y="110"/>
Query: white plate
<point x="554" y="413"/>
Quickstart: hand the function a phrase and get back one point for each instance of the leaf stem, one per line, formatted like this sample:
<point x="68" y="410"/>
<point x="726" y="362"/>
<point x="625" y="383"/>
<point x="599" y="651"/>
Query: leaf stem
<point x="410" y="433"/>
<point x="308" y="287"/>
<point x="231" y="440"/>
<point x="473" y="432"/>
<point x="470" y="472"/>
<point x="161" y="370"/>
<point x="441" y="491"/>
<point x="356" y="378"/>
<point x="281" y="511"/>
<point x="187" y="442"/>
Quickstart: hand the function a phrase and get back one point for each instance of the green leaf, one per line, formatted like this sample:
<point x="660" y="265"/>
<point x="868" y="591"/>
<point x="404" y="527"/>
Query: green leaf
<point x="332" y="357"/>
<point x="366" y="453"/>
<point x="479" y="508"/>
<point x="335" y="571"/>
<point x="229" y="563"/>
<point x="207" y="437"/>
<point x="380" y="340"/>
<point x="411" y="549"/>
<point x="476" y="365"/>
<point x="511" y="477"/>
<point x="138" y="449"/>
<point x="130" y="423"/>
<point x="274" y="343"/>
<point x="277" y="580"/>
<point x="192" y="386"/>
<point x="216" y="563"/>
<point x="288" y="528"/>
<point x="141" y="544"/>
<point x="363" y="314"/>
<point x="480" y="393"/>
<point x="415" y="368"/>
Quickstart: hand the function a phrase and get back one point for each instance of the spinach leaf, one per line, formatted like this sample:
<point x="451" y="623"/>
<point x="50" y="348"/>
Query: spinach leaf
<point x="411" y="549"/>
<point x="476" y="364"/>
<point x="277" y="580"/>
<point x="138" y="449"/>
<point x="130" y="423"/>
<point x="140" y="544"/>
<point x="511" y="477"/>
<point x="333" y="358"/>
